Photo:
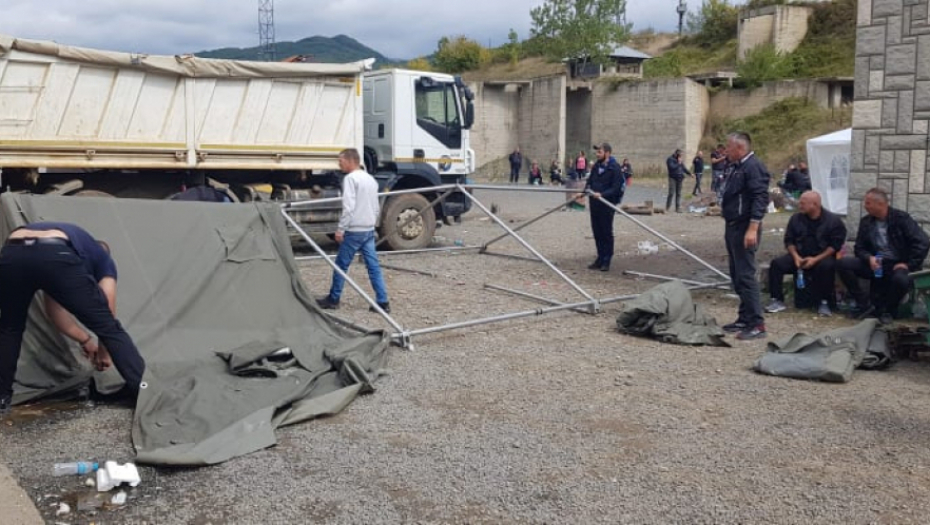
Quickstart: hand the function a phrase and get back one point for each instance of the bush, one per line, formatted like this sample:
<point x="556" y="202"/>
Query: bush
<point x="716" y="23"/>
<point x="764" y="63"/>
<point x="460" y="54"/>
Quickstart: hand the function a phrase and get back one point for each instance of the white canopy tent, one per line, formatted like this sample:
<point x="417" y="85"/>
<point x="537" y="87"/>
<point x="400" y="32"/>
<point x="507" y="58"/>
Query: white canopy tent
<point x="828" y="161"/>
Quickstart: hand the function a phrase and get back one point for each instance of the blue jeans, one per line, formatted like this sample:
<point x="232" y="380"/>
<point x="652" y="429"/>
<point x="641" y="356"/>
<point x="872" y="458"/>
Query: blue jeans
<point x="352" y="243"/>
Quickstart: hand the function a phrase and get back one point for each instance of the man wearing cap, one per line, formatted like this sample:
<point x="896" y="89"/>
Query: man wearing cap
<point x="78" y="276"/>
<point x="605" y="181"/>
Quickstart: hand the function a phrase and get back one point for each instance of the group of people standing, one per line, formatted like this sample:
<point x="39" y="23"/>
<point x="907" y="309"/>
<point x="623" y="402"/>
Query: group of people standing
<point x="578" y="169"/>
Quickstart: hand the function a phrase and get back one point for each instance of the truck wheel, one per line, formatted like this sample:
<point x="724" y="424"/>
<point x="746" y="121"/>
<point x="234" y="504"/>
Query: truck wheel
<point x="416" y="234"/>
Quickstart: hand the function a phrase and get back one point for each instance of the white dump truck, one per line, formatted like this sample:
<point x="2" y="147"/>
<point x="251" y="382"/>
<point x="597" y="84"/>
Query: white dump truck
<point x="88" y="122"/>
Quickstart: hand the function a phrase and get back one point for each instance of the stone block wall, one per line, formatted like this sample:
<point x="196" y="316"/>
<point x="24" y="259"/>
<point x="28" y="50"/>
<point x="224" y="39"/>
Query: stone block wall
<point x="891" y="112"/>
<point x="782" y="25"/>
<point x="741" y="103"/>
<point x="646" y="121"/>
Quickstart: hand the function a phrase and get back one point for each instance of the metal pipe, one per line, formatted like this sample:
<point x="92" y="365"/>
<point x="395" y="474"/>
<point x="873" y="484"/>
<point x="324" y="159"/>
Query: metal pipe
<point x="518" y="188"/>
<point x="525" y="224"/>
<point x="635" y="295"/>
<point x="531" y="296"/>
<point x="528" y="246"/>
<point x="400" y="252"/>
<point x="329" y="200"/>
<point x="398" y="227"/>
<point x="661" y="236"/>
<point x="495" y="319"/>
<point x="408" y="270"/>
<point x="348" y="324"/>
<point x="371" y="302"/>
<point x="511" y="256"/>
<point x="666" y="278"/>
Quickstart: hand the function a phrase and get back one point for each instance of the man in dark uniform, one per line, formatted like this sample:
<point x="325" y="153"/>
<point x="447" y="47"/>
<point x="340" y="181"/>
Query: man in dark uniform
<point x="605" y="181"/>
<point x="813" y="238"/>
<point x="889" y="240"/>
<point x="718" y="164"/>
<point x="676" y="174"/>
<point x="78" y="277"/>
<point x="745" y="199"/>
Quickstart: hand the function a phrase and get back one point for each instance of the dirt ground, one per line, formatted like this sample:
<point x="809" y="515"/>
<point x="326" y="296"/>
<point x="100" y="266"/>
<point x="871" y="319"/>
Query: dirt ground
<point x="550" y="419"/>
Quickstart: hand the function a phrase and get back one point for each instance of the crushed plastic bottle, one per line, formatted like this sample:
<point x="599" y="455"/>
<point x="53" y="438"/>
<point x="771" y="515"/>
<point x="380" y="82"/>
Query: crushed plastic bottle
<point x="75" y="468"/>
<point x="801" y="282"/>
<point x="879" y="272"/>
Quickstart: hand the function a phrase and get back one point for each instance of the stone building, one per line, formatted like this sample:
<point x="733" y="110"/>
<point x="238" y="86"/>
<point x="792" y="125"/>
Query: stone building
<point x="784" y="26"/>
<point x="891" y="119"/>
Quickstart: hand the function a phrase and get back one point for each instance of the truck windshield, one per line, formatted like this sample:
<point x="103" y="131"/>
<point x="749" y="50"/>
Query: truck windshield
<point x="438" y="112"/>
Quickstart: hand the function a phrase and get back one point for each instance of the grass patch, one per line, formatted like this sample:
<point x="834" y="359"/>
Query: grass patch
<point x="690" y="59"/>
<point x="780" y="132"/>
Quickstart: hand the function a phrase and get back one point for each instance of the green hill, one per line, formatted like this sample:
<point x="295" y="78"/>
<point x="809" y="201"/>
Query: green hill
<point x="338" y="49"/>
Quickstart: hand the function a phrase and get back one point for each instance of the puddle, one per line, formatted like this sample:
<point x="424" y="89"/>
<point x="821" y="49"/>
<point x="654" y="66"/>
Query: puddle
<point x="90" y="500"/>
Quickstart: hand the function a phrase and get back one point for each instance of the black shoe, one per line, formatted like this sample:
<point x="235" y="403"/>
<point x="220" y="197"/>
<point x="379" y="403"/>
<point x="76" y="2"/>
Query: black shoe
<point x="733" y="328"/>
<point x="326" y="303"/>
<point x="6" y="404"/>
<point x="605" y="268"/>
<point x="596" y="265"/>
<point x="862" y="313"/>
<point x="756" y="332"/>
<point x="384" y="306"/>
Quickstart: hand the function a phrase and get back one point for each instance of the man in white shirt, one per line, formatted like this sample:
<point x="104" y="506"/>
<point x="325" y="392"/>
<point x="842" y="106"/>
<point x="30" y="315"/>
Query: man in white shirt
<point x="356" y="230"/>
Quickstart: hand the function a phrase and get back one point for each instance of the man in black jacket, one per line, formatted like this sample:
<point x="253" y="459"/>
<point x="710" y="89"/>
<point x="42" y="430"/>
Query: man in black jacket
<point x="745" y="197"/>
<point x="605" y="181"/>
<point x="516" y="162"/>
<point x="888" y="239"/>
<point x="676" y="173"/>
<point x="813" y="238"/>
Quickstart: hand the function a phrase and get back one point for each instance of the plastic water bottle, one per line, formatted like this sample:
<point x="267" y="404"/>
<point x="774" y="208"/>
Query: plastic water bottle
<point x="879" y="272"/>
<point x="801" y="283"/>
<point x="75" y="468"/>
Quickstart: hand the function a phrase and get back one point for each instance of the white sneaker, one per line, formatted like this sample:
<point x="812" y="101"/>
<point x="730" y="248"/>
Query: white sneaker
<point x="775" y="306"/>
<point x="824" y="310"/>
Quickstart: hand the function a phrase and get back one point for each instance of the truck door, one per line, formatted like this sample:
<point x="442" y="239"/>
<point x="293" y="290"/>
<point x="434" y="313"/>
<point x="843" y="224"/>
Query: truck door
<point x="437" y="134"/>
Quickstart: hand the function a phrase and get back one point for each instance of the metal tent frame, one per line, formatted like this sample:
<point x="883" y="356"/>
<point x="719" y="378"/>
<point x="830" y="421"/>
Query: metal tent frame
<point x="589" y="304"/>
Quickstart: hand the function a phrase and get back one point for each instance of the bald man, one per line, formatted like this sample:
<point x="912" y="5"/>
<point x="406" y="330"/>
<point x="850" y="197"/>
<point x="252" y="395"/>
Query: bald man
<point x="813" y="238"/>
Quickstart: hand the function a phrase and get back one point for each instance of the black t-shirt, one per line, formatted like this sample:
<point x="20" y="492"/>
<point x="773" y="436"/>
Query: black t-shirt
<point x="698" y="165"/>
<point x="96" y="260"/>
<point x="717" y="166"/>
<point x="812" y="237"/>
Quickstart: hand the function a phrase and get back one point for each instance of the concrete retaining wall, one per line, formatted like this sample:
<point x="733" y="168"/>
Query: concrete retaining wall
<point x="741" y="103"/>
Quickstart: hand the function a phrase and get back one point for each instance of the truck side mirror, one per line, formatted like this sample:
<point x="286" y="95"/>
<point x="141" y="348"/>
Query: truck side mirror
<point x="469" y="114"/>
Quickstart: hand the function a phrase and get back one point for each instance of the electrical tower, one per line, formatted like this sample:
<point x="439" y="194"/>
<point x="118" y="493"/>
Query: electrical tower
<point x="681" y="9"/>
<point x="266" y="30"/>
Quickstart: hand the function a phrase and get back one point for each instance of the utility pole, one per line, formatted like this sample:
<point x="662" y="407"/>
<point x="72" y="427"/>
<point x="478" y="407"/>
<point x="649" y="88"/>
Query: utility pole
<point x="266" y="49"/>
<point x="682" y="9"/>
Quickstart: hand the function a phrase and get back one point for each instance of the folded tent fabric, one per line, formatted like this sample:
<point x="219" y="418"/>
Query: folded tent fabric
<point x="198" y="280"/>
<point x="667" y="312"/>
<point x="830" y="356"/>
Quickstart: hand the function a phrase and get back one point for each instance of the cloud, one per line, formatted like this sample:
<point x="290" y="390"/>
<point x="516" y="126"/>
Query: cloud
<point x="398" y="29"/>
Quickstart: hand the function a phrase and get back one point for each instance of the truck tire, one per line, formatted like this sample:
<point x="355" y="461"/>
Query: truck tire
<point x="418" y="233"/>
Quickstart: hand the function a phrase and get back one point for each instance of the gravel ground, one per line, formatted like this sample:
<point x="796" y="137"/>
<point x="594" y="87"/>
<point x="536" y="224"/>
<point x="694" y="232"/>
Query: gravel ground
<point x="553" y="419"/>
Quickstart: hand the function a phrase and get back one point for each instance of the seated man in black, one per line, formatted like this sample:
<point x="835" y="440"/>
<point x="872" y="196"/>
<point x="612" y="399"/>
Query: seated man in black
<point x="889" y="243"/>
<point x="813" y="238"/>
<point x="796" y="179"/>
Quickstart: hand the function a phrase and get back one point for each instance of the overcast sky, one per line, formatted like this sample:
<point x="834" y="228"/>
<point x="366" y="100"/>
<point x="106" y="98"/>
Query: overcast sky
<point x="405" y="29"/>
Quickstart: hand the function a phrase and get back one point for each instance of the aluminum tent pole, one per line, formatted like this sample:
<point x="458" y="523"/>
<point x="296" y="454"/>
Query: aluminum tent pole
<point x="407" y="270"/>
<point x="511" y="256"/>
<point x="518" y="188"/>
<point x="399" y="252"/>
<point x="635" y="295"/>
<point x="593" y="302"/>
<point x="371" y="302"/>
<point x="534" y="297"/>
<point x="661" y="236"/>
<point x="525" y="224"/>
<point x="495" y="319"/>
<point x="667" y="278"/>
<point x="330" y="200"/>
